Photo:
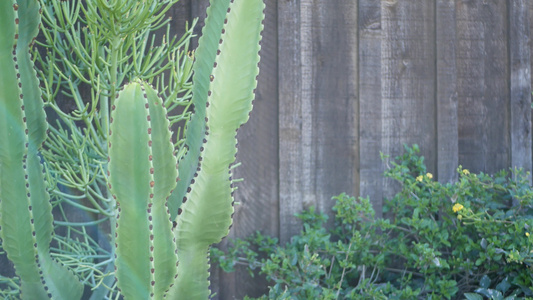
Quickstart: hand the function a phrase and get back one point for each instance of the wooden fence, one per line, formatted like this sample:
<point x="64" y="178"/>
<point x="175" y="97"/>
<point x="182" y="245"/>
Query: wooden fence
<point x="343" y="80"/>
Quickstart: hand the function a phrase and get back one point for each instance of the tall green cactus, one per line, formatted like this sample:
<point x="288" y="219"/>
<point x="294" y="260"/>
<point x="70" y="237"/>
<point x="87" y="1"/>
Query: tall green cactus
<point x="143" y="173"/>
<point x="162" y="237"/>
<point x="142" y="169"/>
<point x="25" y="210"/>
<point x="226" y="68"/>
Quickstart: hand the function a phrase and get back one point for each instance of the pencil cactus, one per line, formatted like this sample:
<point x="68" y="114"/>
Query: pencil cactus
<point x="26" y="213"/>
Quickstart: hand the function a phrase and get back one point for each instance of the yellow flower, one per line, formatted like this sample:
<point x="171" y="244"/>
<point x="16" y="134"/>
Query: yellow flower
<point x="457" y="207"/>
<point x="420" y="178"/>
<point x="527" y="233"/>
<point x="466" y="172"/>
<point x="429" y="175"/>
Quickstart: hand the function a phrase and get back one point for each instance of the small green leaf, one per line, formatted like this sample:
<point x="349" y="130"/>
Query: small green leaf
<point x="483" y="243"/>
<point x="484" y="282"/>
<point x="416" y="213"/>
<point x="504" y="285"/>
<point x="472" y="296"/>
<point x="490" y="293"/>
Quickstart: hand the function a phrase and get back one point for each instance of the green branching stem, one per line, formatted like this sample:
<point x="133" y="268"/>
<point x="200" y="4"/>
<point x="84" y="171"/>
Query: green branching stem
<point x="92" y="48"/>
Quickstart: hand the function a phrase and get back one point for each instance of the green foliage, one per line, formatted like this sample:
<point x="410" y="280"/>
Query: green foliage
<point x="467" y="239"/>
<point x="87" y="51"/>
<point x="119" y="167"/>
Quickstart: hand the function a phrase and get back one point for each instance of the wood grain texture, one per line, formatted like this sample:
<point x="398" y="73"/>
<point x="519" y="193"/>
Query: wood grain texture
<point x="520" y="93"/>
<point x="530" y="16"/>
<point x="198" y="10"/>
<point x="291" y="120"/>
<point x="258" y="152"/>
<point x="181" y="15"/>
<point x="408" y="80"/>
<point x="370" y="104"/>
<point x="318" y="103"/>
<point x="483" y="85"/>
<point x="335" y="102"/>
<point x="446" y="96"/>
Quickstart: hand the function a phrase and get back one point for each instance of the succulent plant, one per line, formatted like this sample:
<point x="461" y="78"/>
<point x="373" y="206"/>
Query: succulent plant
<point x="164" y="226"/>
<point x="25" y="211"/>
<point x="201" y="206"/>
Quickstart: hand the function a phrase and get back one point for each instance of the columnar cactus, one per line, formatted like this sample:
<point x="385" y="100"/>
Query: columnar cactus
<point x="142" y="174"/>
<point x="26" y="213"/>
<point x="162" y="237"/>
<point x="142" y="167"/>
<point x="224" y="82"/>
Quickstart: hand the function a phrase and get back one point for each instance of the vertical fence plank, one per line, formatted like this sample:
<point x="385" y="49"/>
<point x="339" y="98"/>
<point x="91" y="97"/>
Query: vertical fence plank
<point x="318" y="103"/>
<point x="333" y="90"/>
<point x="483" y="81"/>
<point x="198" y="10"/>
<point x="306" y="158"/>
<point x="258" y="151"/>
<point x="520" y="94"/>
<point x="290" y="117"/>
<point x="447" y="126"/>
<point x="370" y="164"/>
<point x="530" y="8"/>
<point x="181" y="15"/>
<point x="408" y="79"/>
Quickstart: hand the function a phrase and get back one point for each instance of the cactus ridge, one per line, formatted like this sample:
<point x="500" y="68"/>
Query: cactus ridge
<point x="14" y="182"/>
<point x="35" y="116"/>
<point x="11" y="112"/>
<point x="142" y="174"/>
<point x="202" y="68"/>
<point x="205" y="215"/>
<point x="26" y="212"/>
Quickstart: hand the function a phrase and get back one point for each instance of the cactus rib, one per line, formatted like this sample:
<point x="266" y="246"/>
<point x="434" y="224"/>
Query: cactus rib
<point x="203" y="65"/>
<point x="142" y="174"/>
<point x="25" y="210"/>
<point x="205" y="215"/>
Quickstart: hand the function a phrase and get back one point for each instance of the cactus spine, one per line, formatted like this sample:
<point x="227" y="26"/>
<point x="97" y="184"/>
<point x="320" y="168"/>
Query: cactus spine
<point x="26" y="213"/>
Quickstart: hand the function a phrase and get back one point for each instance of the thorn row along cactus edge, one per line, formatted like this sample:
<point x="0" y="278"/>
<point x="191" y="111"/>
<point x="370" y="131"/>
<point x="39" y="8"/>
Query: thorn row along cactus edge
<point x="153" y="258"/>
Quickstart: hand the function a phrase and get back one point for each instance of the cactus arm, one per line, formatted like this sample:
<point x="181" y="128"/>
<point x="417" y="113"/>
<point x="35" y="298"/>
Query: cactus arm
<point x="142" y="174"/>
<point x="25" y="210"/>
<point x="11" y="116"/>
<point x="14" y="224"/>
<point x="207" y="50"/>
<point x="30" y="18"/>
<point x="206" y="214"/>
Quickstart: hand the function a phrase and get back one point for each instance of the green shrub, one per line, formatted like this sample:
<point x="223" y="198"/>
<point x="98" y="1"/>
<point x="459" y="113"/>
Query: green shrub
<point x="470" y="239"/>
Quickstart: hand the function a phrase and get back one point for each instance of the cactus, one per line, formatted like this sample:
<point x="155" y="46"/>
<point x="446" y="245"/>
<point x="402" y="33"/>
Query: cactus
<point x="142" y="174"/>
<point x="141" y="163"/>
<point x="26" y="213"/>
<point x="162" y="237"/>
<point x="226" y="68"/>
